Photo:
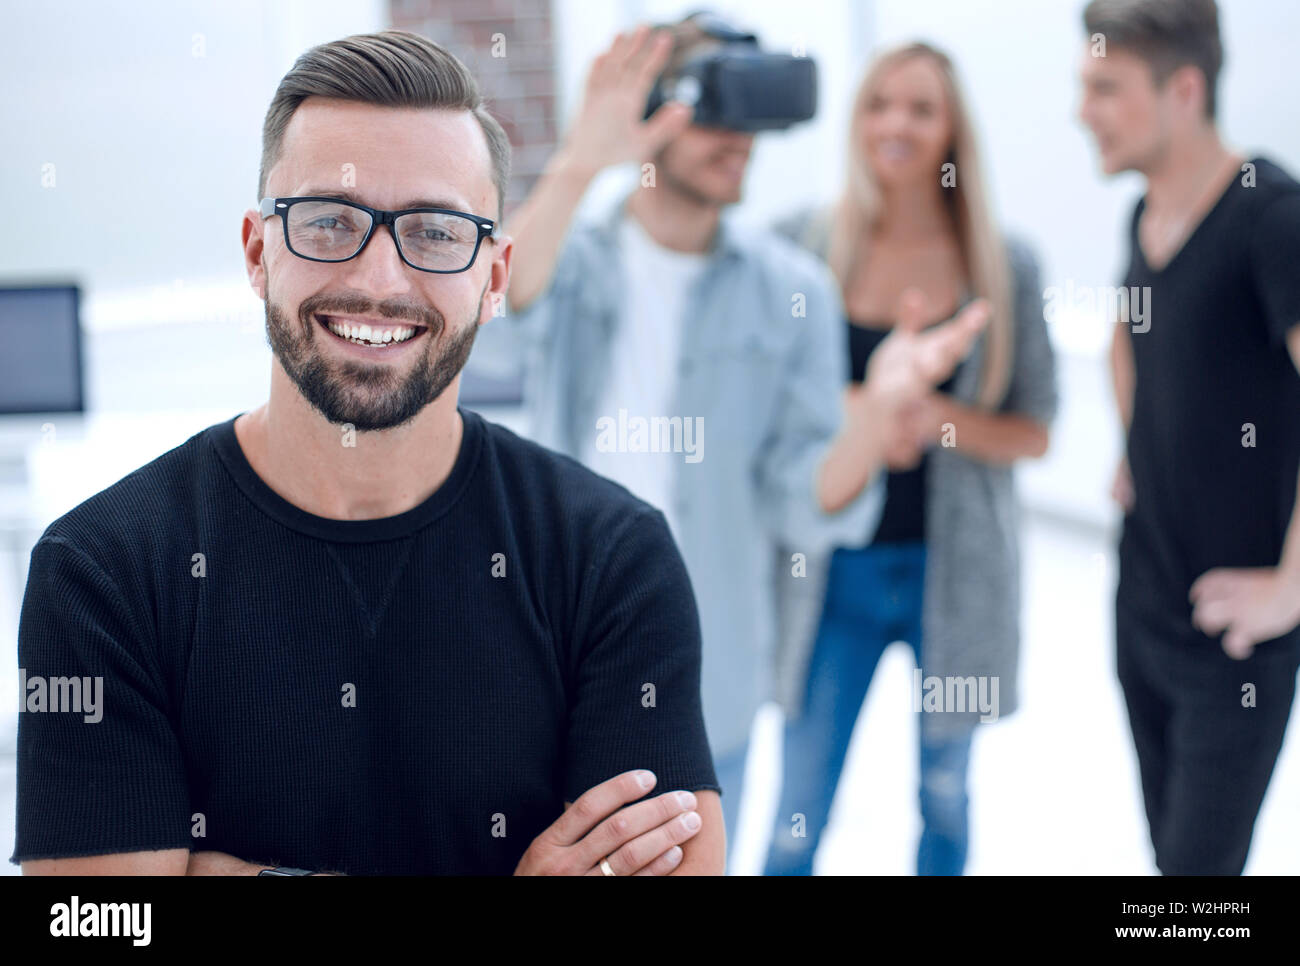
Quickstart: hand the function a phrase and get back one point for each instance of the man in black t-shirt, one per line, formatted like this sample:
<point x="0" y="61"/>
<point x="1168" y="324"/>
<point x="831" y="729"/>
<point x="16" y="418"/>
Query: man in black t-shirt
<point x="358" y="629"/>
<point x="1205" y="370"/>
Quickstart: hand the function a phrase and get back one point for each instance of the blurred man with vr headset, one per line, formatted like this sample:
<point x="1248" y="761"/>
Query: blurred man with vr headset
<point x="727" y="344"/>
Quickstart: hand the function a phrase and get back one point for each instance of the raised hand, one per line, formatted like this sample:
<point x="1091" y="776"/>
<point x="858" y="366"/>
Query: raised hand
<point x="913" y="360"/>
<point x="608" y="129"/>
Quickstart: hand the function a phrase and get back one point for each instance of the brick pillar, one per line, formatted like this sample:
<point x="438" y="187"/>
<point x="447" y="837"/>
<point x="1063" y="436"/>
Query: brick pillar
<point x="519" y="87"/>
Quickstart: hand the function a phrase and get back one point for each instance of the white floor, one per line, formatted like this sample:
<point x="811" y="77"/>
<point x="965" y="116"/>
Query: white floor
<point x="1054" y="787"/>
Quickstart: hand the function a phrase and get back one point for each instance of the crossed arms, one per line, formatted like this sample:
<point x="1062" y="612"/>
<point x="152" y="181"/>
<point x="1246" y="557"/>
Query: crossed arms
<point x="651" y="837"/>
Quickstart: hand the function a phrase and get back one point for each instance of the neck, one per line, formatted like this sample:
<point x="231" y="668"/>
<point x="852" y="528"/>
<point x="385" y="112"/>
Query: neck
<point x="1186" y="169"/>
<point x="911" y="213"/>
<point x="675" y="220"/>
<point x="357" y="476"/>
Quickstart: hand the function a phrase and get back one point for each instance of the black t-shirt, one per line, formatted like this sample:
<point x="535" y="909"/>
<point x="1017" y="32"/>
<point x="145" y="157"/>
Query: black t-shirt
<point x="1213" y="372"/>
<point x="902" y="518"/>
<point x="417" y="694"/>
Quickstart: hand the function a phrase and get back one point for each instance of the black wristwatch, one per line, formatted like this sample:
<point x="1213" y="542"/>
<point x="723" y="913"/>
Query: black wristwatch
<point x="285" y="870"/>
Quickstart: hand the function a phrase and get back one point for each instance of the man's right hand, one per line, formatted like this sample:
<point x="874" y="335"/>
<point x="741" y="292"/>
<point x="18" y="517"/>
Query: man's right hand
<point x="640" y="839"/>
<point x="608" y="128"/>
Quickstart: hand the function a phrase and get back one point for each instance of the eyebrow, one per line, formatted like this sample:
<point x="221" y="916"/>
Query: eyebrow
<point x="344" y="195"/>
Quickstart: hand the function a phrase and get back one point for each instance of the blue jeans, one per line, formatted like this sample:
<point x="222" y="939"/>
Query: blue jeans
<point x="873" y="598"/>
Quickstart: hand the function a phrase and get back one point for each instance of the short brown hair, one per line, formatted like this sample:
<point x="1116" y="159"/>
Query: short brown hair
<point x="1167" y="34"/>
<point x="392" y="68"/>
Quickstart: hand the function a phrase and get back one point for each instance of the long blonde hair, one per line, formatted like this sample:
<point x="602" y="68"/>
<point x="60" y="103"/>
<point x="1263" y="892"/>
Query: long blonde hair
<point x="981" y="244"/>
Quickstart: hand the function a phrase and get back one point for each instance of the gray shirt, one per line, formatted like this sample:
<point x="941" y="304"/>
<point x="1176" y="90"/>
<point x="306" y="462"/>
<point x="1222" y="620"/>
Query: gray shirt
<point x="971" y="602"/>
<point x="761" y="366"/>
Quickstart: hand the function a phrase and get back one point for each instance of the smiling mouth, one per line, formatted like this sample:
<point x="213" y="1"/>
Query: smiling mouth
<point x="894" y="149"/>
<point x="370" y="334"/>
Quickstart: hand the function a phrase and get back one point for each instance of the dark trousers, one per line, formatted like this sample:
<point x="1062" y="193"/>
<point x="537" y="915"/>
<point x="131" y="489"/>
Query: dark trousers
<point x="1205" y="757"/>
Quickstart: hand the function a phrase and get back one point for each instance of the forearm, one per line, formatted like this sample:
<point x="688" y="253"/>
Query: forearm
<point x="857" y="453"/>
<point x="706" y="853"/>
<point x="1122" y="374"/>
<point x="222" y="863"/>
<point x="701" y="860"/>
<point x="539" y="225"/>
<point x="1289" y="565"/>
<point x="147" y="862"/>
<point x="990" y="437"/>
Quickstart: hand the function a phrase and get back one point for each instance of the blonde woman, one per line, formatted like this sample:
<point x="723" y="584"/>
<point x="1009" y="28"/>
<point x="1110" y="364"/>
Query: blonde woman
<point x="940" y="570"/>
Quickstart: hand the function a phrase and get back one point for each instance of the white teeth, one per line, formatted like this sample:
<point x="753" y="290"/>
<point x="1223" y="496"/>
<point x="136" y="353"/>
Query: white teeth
<point x="365" y="334"/>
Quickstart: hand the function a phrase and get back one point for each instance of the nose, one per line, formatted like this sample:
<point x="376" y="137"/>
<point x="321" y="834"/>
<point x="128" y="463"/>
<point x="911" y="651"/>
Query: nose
<point x="379" y="268"/>
<point x="1084" y="110"/>
<point x="896" y="121"/>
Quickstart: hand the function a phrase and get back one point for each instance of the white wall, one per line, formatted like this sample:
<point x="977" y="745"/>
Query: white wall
<point x="151" y="114"/>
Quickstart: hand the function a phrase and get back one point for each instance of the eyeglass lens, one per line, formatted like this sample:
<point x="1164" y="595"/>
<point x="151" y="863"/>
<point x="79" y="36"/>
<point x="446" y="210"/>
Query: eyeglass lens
<point x="334" y="231"/>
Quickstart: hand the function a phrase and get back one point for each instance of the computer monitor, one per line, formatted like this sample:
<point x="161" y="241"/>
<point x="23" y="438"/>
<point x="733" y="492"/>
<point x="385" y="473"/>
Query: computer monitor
<point x="40" y="364"/>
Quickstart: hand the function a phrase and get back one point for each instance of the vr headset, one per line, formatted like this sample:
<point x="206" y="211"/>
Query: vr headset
<point x="739" y="87"/>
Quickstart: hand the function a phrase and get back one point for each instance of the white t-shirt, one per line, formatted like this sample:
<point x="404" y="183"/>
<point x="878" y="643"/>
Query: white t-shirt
<point x="643" y="364"/>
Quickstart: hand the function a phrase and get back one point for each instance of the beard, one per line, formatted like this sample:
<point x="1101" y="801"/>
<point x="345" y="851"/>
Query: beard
<point x="368" y="396"/>
<point x="669" y="178"/>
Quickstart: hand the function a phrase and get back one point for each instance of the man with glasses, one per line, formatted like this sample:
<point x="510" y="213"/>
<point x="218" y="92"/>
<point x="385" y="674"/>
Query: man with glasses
<point x="358" y="629"/>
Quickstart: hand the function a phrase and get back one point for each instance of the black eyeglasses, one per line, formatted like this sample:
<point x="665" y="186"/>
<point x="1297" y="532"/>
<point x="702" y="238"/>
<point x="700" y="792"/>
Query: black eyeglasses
<point x="332" y="230"/>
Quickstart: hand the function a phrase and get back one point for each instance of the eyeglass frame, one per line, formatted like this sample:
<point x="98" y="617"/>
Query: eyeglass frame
<point x="487" y="228"/>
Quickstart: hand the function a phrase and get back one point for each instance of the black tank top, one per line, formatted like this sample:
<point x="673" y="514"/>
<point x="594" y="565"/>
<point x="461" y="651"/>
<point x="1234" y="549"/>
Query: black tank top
<point x="903" y="518"/>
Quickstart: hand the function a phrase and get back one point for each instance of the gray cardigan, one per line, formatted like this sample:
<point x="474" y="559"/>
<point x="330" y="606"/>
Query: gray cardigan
<point x="971" y="611"/>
